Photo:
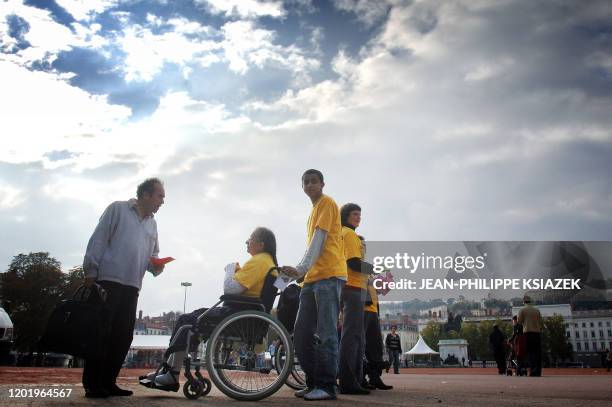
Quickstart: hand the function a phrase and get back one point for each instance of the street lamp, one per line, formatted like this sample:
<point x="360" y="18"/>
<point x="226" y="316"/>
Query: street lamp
<point x="185" y="284"/>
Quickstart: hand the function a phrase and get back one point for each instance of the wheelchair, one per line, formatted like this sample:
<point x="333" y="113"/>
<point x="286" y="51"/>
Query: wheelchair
<point x="297" y="378"/>
<point x="236" y="353"/>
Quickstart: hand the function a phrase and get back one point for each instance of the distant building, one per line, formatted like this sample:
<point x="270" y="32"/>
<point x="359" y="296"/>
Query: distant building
<point x="453" y="347"/>
<point x="160" y="325"/>
<point x="438" y="315"/>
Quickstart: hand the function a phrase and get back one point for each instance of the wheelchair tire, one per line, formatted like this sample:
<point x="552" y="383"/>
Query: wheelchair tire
<point x="192" y="389"/>
<point x="297" y="379"/>
<point x="207" y="386"/>
<point x="234" y="355"/>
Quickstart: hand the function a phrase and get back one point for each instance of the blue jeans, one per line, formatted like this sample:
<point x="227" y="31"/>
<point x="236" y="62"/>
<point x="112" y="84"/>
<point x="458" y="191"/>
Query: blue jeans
<point x="394" y="359"/>
<point x="316" y="333"/>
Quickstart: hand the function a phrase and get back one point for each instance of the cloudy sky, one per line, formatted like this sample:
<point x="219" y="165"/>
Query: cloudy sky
<point x="458" y="120"/>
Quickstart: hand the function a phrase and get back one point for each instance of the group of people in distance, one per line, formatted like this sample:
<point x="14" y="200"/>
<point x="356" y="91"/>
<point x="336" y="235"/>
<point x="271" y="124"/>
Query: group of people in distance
<point x="525" y="343"/>
<point x="335" y="281"/>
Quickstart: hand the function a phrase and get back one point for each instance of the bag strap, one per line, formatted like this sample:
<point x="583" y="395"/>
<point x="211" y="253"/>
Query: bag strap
<point x="83" y="293"/>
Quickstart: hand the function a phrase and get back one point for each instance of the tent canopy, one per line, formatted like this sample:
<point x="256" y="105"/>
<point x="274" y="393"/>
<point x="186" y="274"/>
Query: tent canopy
<point x="421" y="348"/>
<point x="150" y="342"/>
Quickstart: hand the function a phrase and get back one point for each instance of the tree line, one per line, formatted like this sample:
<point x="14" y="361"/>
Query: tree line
<point x="30" y="289"/>
<point x="555" y="345"/>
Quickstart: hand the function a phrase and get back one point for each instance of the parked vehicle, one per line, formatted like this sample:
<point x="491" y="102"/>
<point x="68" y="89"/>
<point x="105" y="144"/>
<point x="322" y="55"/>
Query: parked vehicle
<point x="6" y="336"/>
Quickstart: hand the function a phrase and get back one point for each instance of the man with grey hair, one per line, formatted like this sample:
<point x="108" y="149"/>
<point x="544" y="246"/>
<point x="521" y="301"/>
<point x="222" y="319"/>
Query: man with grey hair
<point x="118" y="254"/>
<point x="531" y="319"/>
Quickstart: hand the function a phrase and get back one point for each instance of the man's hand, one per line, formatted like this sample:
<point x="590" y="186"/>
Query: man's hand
<point x="290" y="271"/>
<point x="89" y="281"/>
<point x="158" y="269"/>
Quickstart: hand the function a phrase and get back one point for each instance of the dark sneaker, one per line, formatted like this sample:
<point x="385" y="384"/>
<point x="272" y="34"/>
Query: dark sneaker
<point x="359" y="390"/>
<point x="114" y="390"/>
<point x="96" y="393"/>
<point x="381" y="386"/>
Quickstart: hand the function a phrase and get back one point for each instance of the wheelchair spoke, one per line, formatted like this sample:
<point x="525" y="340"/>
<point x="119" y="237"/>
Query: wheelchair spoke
<point x="240" y="364"/>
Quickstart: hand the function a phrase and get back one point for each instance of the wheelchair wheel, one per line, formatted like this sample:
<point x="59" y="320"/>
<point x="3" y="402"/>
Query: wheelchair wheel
<point x="297" y="379"/>
<point x="206" y="386"/>
<point x="237" y="359"/>
<point x="192" y="389"/>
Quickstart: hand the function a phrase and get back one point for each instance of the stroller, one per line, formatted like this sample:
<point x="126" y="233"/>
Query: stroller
<point x="517" y="359"/>
<point x="237" y="336"/>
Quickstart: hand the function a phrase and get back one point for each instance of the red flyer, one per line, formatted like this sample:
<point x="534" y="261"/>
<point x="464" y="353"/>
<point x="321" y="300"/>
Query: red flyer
<point x="161" y="262"/>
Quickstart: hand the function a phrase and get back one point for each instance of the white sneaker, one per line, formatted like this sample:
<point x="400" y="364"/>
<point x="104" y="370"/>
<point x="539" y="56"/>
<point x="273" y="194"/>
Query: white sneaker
<point x="166" y="379"/>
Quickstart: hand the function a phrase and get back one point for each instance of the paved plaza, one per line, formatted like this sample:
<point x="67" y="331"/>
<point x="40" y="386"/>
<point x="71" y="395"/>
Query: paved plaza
<point x="414" y="387"/>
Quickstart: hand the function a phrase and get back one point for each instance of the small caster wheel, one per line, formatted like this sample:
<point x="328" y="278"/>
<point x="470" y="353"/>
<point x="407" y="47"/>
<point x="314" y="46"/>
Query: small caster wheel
<point x="192" y="389"/>
<point x="206" y="386"/>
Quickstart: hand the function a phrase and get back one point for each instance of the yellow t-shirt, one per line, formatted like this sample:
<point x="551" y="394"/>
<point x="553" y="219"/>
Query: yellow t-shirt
<point x="374" y="295"/>
<point x="353" y="248"/>
<point x="331" y="263"/>
<point x="253" y="274"/>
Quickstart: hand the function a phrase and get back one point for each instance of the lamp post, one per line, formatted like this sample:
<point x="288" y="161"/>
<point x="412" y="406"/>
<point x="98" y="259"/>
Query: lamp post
<point x="185" y="284"/>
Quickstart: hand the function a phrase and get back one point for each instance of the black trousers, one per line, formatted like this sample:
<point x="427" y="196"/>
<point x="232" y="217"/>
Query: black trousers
<point x="373" y="346"/>
<point x="102" y="370"/>
<point x="352" y="341"/>
<point x="533" y="341"/>
<point x="500" y="358"/>
<point x="208" y="323"/>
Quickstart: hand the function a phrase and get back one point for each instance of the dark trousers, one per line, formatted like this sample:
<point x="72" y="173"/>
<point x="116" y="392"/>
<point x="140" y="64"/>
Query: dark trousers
<point x="500" y="358"/>
<point x="533" y="341"/>
<point x="102" y="371"/>
<point x="394" y="358"/>
<point x="373" y="346"/>
<point x="352" y="340"/>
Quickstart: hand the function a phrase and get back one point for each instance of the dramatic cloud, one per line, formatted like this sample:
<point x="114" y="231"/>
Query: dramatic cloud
<point x="444" y="120"/>
<point x="245" y="8"/>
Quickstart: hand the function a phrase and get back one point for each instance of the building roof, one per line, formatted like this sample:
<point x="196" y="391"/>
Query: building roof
<point x="442" y="342"/>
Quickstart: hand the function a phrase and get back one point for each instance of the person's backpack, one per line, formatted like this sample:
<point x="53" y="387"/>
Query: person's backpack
<point x="288" y="304"/>
<point x="80" y="325"/>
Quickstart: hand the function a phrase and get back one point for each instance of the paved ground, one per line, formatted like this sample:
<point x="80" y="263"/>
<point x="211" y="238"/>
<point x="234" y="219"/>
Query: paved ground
<point x="414" y="387"/>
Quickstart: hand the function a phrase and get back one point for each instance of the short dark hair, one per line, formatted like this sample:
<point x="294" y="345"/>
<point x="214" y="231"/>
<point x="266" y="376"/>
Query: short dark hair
<point x="313" y="171"/>
<point x="515" y="318"/>
<point x="345" y="212"/>
<point x="147" y="186"/>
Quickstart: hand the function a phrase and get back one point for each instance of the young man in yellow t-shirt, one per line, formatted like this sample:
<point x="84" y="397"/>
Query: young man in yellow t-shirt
<point x="324" y="269"/>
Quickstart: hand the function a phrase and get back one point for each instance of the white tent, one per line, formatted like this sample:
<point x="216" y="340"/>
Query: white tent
<point x="150" y="342"/>
<point x="421" y="348"/>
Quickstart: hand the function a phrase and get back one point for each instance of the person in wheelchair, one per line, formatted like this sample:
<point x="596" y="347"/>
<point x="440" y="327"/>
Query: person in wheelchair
<point x="246" y="281"/>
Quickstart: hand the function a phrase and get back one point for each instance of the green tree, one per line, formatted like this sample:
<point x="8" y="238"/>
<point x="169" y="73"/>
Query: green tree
<point x="477" y="335"/>
<point x="469" y="332"/>
<point x="432" y="333"/>
<point x="554" y="340"/>
<point x="72" y="281"/>
<point x="33" y="284"/>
